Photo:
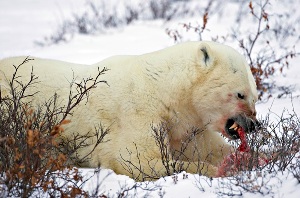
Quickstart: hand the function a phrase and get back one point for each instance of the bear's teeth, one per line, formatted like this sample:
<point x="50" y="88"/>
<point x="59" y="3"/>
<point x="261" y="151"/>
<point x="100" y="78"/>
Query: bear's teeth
<point x="234" y="126"/>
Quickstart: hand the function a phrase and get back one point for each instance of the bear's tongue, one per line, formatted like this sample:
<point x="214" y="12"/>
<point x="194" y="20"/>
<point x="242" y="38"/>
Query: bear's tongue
<point x="244" y="147"/>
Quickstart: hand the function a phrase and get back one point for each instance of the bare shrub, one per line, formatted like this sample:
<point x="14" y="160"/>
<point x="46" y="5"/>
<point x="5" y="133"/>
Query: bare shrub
<point x="294" y="168"/>
<point x="159" y="8"/>
<point x="71" y="146"/>
<point x="197" y="29"/>
<point x="172" y="159"/>
<point x="97" y="17"/>
<point x="63" y="33"/>
<point x="31" y="161"/>
<point x="139" y="189"/>
<point x="268" y="61"/>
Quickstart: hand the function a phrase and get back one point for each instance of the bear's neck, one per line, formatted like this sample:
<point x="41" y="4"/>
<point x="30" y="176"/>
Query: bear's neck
<point x="172" y="79"/>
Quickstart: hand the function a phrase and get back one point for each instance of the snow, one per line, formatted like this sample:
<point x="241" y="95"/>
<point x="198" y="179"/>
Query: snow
<point x="24" y="22"/>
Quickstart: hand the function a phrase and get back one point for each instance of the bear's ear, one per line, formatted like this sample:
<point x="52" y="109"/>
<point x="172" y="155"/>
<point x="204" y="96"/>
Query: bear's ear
<point x="206" y="55"/>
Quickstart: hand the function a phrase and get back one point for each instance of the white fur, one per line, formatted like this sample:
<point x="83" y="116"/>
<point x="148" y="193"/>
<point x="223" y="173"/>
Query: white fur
<point x="175" y="85"/>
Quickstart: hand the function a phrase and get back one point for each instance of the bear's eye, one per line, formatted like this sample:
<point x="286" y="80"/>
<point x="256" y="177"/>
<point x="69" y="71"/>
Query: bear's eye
<point x="241" y="96"/>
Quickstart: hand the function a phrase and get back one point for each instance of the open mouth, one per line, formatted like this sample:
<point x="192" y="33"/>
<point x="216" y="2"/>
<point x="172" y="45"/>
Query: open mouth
<point x="235" y="125"/>
<point x="232" y="129"/>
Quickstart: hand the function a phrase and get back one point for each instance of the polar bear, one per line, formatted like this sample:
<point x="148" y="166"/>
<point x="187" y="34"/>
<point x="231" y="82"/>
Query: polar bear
<point x="194" y="85"/>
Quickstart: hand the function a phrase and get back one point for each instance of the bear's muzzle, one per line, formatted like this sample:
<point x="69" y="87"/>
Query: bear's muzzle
<point x="233" y="124"/>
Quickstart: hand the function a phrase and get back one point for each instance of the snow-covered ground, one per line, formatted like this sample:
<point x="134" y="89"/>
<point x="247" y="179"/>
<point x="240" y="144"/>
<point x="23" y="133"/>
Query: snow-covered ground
<point x="24" y="22"/>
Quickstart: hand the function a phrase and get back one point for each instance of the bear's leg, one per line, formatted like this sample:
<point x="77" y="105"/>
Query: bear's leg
<point x="150" y="165"/>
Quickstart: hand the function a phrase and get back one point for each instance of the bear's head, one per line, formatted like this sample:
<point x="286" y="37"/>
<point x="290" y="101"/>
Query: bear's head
<point x="224" y="93"/>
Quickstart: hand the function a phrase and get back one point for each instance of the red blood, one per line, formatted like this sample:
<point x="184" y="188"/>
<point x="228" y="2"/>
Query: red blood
<point x="244" y="147"/>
